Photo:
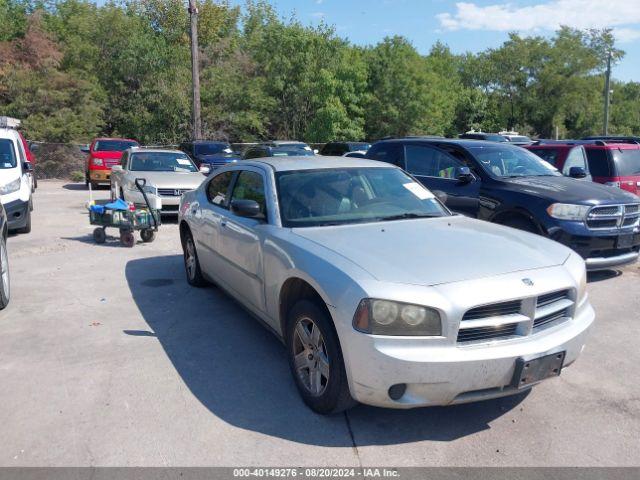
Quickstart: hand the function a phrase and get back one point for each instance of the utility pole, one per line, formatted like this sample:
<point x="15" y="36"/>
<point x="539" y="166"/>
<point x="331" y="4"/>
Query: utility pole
<point x="607" y="92"/>
<point x="196" y="123"/>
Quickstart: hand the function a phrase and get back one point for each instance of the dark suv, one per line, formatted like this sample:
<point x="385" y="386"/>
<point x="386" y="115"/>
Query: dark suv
<point x="208" y="152"/>
<point x="509" y="185"/>
<point x="338" y="149"/>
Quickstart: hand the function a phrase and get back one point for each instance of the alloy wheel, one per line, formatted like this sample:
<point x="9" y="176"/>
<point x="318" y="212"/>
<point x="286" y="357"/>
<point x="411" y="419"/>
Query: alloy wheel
<point x="190" y="259"/>
<point x="310" y="356"/>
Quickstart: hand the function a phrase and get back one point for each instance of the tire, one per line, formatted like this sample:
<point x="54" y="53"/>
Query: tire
<point x="192" y="263"/>
<point x="86" y="180"/>
<point x="99" y="235"/>
<point x="308" y="351"/>
<point x="27" y="226"/>
<point x="5" y="281"/>
<point x="520" y="223"/>
<point x="148" y="235"/>
<point x="127" y="239"/>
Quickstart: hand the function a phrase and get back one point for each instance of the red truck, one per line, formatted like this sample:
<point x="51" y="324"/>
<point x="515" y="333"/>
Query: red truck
<point x="609" y="162"/>
<point x="104" y="153"/>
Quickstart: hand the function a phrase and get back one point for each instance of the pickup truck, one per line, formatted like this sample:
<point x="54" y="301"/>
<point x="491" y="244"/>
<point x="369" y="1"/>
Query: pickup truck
<point x="167" y="174"/>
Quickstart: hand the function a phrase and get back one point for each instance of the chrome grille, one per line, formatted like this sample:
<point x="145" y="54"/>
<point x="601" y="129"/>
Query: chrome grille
<point x="550" y="318"/>
<point x="549" y="298"/>
<point x="487" y="333"/>
<point x="171" y="192"/>
<point x="613" y="217"/>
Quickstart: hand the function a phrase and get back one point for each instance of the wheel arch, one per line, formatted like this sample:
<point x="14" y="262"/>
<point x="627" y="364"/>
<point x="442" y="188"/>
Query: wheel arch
<point x="184" y="230"/>
<point x="520" y="213"/>
<point x="293" y="290"/>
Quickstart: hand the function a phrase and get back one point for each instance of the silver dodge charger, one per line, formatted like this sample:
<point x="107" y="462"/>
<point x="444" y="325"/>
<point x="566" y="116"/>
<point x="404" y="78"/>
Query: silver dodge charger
<point x="381" y="295"/>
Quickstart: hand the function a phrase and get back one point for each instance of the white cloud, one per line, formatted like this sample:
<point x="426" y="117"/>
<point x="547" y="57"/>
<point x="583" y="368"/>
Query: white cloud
<point x="548" y="15"/>
<point x="318" y="14"/>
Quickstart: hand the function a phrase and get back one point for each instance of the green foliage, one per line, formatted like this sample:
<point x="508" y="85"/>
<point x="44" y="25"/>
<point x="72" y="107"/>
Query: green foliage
<point x="73" y="69"/>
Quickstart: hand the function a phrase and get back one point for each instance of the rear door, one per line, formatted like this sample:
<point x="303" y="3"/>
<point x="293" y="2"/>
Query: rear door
<point x="438" y="171"/>
<point x="627" y="164"/>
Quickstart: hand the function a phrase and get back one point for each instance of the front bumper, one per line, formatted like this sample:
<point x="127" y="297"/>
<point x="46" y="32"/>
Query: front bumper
<point x="17" y="213"/>
<point x="453" y="374"/>
<point x="600" y="249"/>
<point x="100" y="176"/>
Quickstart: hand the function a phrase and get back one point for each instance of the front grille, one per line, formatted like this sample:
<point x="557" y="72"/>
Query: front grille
<point x="170" y="208"/>
<point x="551" y="318"/>
<point x="613" y="217"/>
<point x="171" y="192"/>
<point x="487" y="333"/>
<point x="494" y="310"/>
<point x="549" y="298"/>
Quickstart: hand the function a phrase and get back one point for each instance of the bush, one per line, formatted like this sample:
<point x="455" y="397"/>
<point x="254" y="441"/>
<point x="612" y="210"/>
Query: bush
<point x="77" y="176"/>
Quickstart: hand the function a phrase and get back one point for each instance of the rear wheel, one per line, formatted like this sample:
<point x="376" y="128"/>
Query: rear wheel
<point x="191" y="263"/>
<point x="5" y="284"/>
<point x="316" y="360"/>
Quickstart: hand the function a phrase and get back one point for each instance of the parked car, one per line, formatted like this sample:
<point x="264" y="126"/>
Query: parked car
<point x="265" y="150"/>
<point x="211" y="153"/>
<point x="104" y="153"/>
<point x="380" y="294"/>
<point x="341" y="148"/>
<point x="31" y="158"/>
<point x="168" y="174"/>
<point x="5" y="278"/>
<point x="611" y="163"/>
<point x="490" y="137"/>
<point x="509" y="185"/>
<point x="516" y="139"/>
<point x="289" y="144"/>
<point x="615" y="138"/>
<point x="568" y="157"/>
<point x="15" y="177"/>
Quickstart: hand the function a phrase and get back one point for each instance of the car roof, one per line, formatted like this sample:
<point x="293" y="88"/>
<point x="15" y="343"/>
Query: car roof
<point x="463" y="142"/>
<point x="9" y="133"/>
<point x="115" y="138"/>
<point x="198" y="142"/>
<point x="283" y="164"/>
<point x="155" y="150"/>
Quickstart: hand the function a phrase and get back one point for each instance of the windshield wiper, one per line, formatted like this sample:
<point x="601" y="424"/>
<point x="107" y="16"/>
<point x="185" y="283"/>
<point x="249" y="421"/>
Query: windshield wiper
<point x="403" y="216"/>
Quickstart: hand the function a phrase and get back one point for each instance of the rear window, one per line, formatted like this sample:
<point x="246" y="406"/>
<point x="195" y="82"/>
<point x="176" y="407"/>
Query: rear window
<point x="113" y="145"/>
<point x="7" y="154"/>
<point x="627" y="162"/>
<point x="599" y="163"/>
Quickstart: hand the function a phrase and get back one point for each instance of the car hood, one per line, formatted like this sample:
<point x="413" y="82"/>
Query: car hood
<point x="437" y="250"/>
<point x="187" y="181"/>
<point x="107" y="155"/>
<point x="570" y="190"/>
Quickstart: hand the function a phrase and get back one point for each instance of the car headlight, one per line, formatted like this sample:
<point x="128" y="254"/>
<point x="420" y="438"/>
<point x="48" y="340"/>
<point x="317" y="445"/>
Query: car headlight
<point x="568" y="211"/>
<point x="385" y="317"/>
<point x="10" y="187"/>
<point x="98" y="162"/>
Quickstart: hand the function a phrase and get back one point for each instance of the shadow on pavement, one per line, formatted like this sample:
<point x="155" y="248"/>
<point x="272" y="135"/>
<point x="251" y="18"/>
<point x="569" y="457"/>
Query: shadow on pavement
<point x="75" y="186"/>
<point x="600" y="275"/>
<point x="238" y="370"/>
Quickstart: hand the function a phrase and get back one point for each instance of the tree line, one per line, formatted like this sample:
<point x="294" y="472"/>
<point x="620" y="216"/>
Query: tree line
<point x="72" y="70"/>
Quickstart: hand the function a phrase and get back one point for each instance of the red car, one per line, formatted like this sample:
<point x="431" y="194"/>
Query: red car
<point x="611" y="163"/>
<point x="30" y="158"/>
<point x="104" y="153"/>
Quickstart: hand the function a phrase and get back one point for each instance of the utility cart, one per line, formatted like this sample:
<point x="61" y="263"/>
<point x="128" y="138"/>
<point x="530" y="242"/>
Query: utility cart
<point x="127" y="218"/>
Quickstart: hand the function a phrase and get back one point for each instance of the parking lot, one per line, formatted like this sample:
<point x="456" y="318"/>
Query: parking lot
<point x="109" y="358"/>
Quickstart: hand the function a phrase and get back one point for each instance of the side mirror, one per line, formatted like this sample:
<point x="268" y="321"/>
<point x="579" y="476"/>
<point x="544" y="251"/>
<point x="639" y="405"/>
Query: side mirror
<point x="116" y="168"/>
<point x="465" y="175"/>
<point x="440" y="195"/>
<point x="84" y="149"/>
<point x="316" y="151"/>
<point x="205" y="168"/>
<point x="577" y="172"/>
<point x="246" y="208"/>
<point x="28" y="167"/>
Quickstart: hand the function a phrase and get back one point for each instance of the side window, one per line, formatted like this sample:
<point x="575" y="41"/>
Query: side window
<point x="575" y="159"/>
<point x="429" y="162"/>
<point x="387" y="152"/>
<point x="21" y="155"/>
<point x="250" y="186"/>
<point x="599" y="163"/>
<point x="218" y="189"/>
<point x="547" y="154"/>
<point x="123" y="159"/>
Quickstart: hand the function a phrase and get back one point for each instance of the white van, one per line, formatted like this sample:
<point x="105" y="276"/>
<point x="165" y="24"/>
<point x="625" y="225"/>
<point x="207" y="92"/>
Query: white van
<point x="15" y="183"/>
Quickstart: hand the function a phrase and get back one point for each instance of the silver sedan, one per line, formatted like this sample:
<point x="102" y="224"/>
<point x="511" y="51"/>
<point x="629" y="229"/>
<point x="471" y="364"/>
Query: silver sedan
<point x="380" y="294"/>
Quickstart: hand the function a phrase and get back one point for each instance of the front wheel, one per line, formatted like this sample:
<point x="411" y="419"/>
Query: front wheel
<point x="5" y="284"/>
<point x="316" y="360"/>
<point x="192" y="264"/>
<point x="27" y="225"/>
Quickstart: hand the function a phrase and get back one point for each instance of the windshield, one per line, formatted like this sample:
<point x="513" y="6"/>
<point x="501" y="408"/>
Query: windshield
<point x="359" y="146"/>
<point x="7" y="154"/>
<point x="113" y="145"/>
<point x="521" y="139"/>
<point x="340" y="196"/>
<point x="161" y="162"/>
<point x="291" y="152"/>
<point x="627" y="162"/>
<point x="211" y="148"/>
<point x="507" y="161"/>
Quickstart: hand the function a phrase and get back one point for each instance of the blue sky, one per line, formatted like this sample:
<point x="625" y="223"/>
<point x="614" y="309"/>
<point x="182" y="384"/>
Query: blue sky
<point x="472" y="25"/>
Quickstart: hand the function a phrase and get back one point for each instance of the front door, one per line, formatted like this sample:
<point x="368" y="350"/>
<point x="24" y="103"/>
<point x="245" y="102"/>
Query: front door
<point x="438" y="171"/>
